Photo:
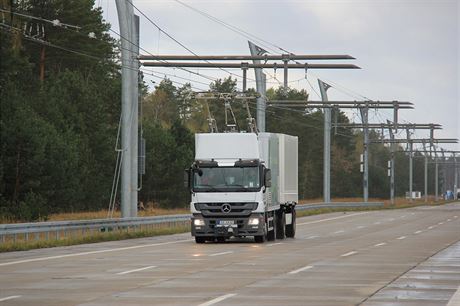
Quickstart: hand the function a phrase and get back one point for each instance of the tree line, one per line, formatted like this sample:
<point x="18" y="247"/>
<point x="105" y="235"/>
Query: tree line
<point x="60" y="112"/>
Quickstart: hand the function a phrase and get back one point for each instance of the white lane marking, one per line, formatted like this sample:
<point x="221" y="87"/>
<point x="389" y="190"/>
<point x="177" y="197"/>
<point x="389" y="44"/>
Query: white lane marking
<point x="376" y="222"/>
<point x="91" y="252"/>
<point x="312" y="237"/>
<point x="272" y="244"/>
<point x="221" y="253"/>
<point x="360" y="227"/>
<point x="300" y="270"/>
<point x="455" y="217"/>
<point x="441" y="223"/>
<point x="328" y="219"/>
<point x="401" y="238"/>
<point x="412" y="214"/>
<point x="455" y="299"/>
<point x="218" y="299"/>
<point x="10" y="298"/>
<point x="431" y="227"/>
<point x="391" y="219"/>
<point x="448" y="220"/>
<point x="136" y="270"/>
<point x="380" y="244"/>
<point x="417" y="232"/>
<point x="338" y="232"/>
<point x="403" y="216"/>
<point x="349" y="254"/>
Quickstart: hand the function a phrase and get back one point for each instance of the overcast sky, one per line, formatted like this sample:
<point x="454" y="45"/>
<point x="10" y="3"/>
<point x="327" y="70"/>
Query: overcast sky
<point x="408" y="50"/>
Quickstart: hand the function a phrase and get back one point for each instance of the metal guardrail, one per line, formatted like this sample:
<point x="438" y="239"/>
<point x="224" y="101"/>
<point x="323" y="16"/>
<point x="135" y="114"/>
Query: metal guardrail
<point x="65" y="228"/>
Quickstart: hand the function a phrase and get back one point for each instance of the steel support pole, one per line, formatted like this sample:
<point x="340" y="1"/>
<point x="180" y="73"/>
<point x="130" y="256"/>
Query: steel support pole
<point x="260" y="87"/>
<point x="410" y="172"/>
<point x="245" y="72"/>
<point x="426" y="177"/>
<point x="323" y="87"/>
<point x="392" y="174"/>
<point x="135" y="121"/>
<point x="365" y="119"/>
<point x="125" y="19"/>
<point x="392" y="165"/>
<point x="455" y="178"/>
<point x="285" y="61"/>
<point x="436" y="179"/>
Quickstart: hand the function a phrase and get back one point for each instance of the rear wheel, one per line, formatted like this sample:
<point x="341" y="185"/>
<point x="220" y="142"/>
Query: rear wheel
<point x="200" y="239"/>
<point x="272" y="233"/>
<point x="280" y="224"/>
<point x="290" y="228"/>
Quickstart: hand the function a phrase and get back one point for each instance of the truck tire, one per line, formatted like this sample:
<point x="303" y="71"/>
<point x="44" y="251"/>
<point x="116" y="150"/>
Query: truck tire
<point x="200" y="239"/>
<point x="271" y="235"/>
<point x="262" y="238"/>
<point x="290" y="228"/>
<point x="259" y="239"/>
<point x="280" y="224"/>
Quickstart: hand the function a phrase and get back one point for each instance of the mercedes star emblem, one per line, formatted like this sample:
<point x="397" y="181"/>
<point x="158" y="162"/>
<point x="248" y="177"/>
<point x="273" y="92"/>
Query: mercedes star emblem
<point x="226" y="208"/>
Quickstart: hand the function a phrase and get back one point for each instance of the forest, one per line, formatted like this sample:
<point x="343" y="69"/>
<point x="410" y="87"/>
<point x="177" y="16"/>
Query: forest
<point x="60" y="110"/>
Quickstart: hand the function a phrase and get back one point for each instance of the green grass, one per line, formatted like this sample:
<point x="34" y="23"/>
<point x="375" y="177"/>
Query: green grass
<point x="94" y="238"/>
<point x="319" y="211"/>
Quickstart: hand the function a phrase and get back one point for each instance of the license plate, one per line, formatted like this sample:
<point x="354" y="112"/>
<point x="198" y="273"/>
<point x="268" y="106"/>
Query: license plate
<point x="226" y="222"/>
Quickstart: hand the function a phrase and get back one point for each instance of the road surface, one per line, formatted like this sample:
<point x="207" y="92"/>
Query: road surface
<point x="389" y="257"/>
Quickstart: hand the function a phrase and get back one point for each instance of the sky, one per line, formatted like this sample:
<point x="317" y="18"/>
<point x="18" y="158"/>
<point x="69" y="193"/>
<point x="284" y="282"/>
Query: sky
<point x="408" y="49"/>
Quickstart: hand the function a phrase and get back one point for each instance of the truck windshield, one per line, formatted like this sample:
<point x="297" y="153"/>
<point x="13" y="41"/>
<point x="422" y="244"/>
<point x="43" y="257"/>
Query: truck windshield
<point x="226" y="179"/>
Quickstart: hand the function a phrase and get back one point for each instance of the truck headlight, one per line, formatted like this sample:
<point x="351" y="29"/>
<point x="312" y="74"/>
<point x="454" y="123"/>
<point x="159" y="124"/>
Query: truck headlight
<point x="253" y="221"/>
<point x="198" y="222"/>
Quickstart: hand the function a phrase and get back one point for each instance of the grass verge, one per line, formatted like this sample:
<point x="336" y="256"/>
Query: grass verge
<point x="11" y="246"/>
<point x="399" y="204"/>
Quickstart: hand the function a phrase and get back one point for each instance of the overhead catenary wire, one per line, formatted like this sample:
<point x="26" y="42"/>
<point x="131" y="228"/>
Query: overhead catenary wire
<point x="75" y="29"/>
<point x="46" y="43"/>
<point x="175" y="40"/>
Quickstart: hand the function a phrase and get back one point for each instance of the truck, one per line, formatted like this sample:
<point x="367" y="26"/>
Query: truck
<point x="243" y="185"/>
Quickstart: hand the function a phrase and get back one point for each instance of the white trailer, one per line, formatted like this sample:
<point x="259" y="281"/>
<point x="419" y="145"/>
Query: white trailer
<point x="243" y="184"/>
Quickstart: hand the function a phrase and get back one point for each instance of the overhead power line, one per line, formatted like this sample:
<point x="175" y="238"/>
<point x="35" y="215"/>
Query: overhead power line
<point x="174" y="39"/>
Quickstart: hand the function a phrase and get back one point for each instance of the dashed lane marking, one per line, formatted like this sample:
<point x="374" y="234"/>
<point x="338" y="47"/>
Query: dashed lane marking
<point x="349" y="254"/>
<point x="221" y="253"/>
<point x="218" y="299"/>
<point x="10" y="298"/>
<point x="379" y="244"/>
<point x="301" y="269"/>
<point x="136" y="270"/>
<point x="273" y="244"/>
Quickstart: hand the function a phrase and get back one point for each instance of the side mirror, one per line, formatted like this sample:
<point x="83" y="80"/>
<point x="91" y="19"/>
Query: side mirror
<point x="187" y="178"/>
<point x="268" y="178"/>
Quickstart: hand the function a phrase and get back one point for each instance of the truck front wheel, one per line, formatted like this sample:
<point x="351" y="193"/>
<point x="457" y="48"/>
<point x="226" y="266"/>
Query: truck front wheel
<point x="259" y="239"/>
<point x="200" y="239"/>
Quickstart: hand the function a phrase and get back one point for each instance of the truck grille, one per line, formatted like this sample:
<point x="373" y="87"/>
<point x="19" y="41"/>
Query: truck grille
<point x="225" y="209"/>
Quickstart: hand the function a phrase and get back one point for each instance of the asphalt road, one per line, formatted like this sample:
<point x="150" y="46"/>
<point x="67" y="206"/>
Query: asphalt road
<point x="392" y="257"/>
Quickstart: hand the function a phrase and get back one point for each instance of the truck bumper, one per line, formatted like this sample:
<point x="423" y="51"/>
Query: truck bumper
<point x="227" y="227"/>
